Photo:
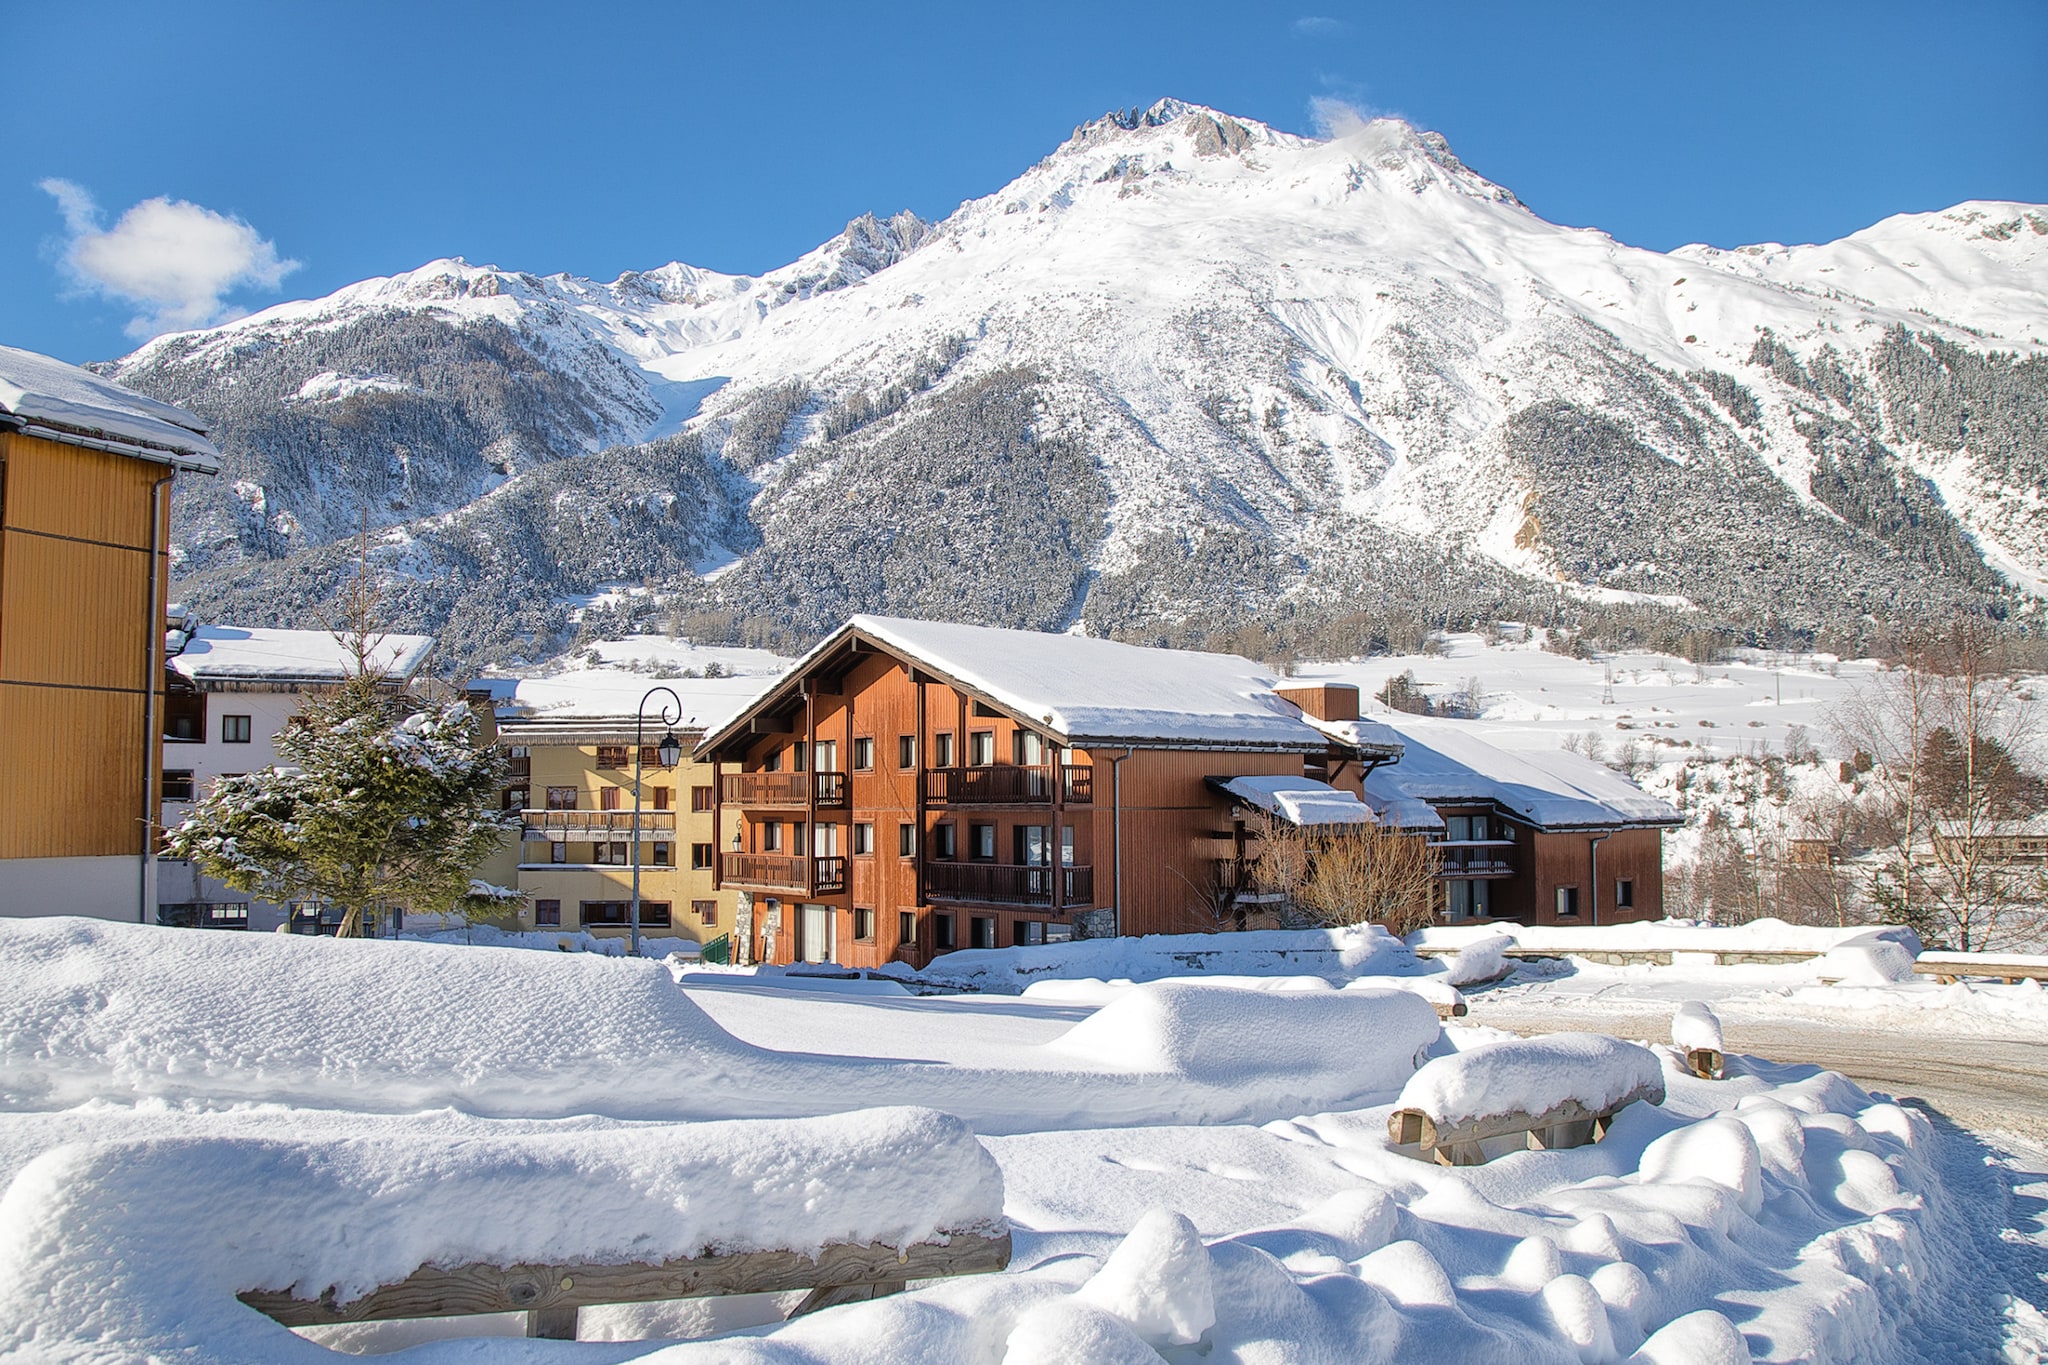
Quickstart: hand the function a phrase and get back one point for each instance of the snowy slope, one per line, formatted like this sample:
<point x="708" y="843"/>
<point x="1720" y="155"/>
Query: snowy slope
<point x="1336" y="349"/>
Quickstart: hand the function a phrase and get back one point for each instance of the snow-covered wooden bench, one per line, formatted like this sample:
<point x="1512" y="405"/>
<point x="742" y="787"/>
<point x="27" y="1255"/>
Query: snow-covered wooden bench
<point x="2011" y="968"/>
<point x="1696" y="1032"/>
<point x="1561" y="1090"/>
<point x="551" y="1295"/>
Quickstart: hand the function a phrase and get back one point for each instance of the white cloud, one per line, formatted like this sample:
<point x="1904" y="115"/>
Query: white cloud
<point x="1337" y="117"/>
<point x="1319" y="26"/>
<point x="172" y="259"/>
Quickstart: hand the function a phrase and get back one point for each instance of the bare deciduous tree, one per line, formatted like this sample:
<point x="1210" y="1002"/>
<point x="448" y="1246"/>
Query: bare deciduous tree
<point x="1348" y="874"/>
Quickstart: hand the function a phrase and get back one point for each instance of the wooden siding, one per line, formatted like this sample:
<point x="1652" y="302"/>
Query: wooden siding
<point x="74" y="633"/>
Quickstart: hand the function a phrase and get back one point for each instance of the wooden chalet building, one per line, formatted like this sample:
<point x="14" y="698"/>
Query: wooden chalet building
<point x="912" y="787"/>
<point x="85" y="473"/>
<point x="1533" y="836"/>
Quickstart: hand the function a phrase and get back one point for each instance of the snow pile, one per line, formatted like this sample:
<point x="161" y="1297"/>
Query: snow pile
<point x="1879" y="963"/>
<point x="1531" y="1075"/>
<point x="137" y="1249"/>
<point x="1227" y="1037"/>
<point x="1669" y="936"/>
<point x="1360" y="950"/>
<point x="1301" y="801"/>
<point x="1481" y="960"/>
<point x="1157" y="1282"/>
<point x="1695" y="1027"/>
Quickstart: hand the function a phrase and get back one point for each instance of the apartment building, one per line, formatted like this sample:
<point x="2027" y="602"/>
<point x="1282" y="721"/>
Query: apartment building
<point x="86" y="468"/>
<point x="912" y="787"/>
<point x="229" y="692"/>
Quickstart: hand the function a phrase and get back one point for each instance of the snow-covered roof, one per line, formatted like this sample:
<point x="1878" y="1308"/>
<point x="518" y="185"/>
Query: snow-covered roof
<point x="1548" y="788"/>
<point x="1299" y="801"/>
<point x="1086" y="691"/>
<point x="597" y="697"/>
<point x="257" y="654"/>
<point x="61" y="402"/>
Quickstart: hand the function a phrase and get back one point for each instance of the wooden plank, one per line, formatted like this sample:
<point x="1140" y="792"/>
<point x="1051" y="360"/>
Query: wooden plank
<point x="1706" y="1063"/>
<point x="434" y="1292"/>
<point x="1950" y="967"/>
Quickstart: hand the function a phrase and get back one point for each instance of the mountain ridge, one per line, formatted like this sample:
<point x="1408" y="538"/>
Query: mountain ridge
<point x="1300" y="371"/>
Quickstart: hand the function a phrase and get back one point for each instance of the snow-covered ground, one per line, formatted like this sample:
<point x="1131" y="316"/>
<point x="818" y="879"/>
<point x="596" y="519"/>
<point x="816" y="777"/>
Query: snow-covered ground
<point x="1192" y="1170"/>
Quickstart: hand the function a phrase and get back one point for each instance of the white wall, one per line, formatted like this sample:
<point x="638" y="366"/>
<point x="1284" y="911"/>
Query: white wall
<point x="207" y="759"/>
<point x="102" y="888"/>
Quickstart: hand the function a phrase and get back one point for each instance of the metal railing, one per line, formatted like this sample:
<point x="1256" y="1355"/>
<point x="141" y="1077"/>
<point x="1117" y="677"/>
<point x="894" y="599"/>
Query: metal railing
<point x="597" y="825"/>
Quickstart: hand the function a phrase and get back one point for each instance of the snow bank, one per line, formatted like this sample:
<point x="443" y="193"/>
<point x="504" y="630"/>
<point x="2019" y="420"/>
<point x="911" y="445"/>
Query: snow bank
<point x="1866" y="964"/>
<point x="1693" y="1026"/>
<point x="1683" y="936"/>
<point x="1364" y="950"/>
<point x="134" y="1250"/>
<point x="1530" y="1075"/>
<point x="1368" y="1040"/>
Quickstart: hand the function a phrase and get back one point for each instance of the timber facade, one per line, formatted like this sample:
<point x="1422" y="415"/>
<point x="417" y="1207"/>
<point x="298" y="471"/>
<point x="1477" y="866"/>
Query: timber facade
<point x="84" y="526"/>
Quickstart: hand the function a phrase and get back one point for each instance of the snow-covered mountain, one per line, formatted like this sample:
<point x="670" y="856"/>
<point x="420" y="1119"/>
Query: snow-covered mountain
<point x="1186" y="373"/>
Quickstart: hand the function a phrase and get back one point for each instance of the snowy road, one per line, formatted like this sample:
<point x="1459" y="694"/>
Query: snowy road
<point x="1987" y="1084"/>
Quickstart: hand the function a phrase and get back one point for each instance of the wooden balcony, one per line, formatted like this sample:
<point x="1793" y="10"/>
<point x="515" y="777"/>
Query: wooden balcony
<point x="1009" y="784"/>
<point x="1008" y="884"/>
<point x="519" y="765"/>
<point x="1475" y="868"/>
<point x="782" y="791"/>
<point x="601" y="826"/>
<point x="791" y="874"/>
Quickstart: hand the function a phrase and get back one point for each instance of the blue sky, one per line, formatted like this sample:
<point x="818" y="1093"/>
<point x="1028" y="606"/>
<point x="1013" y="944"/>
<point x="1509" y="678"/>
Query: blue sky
<point x="299" y="146"/>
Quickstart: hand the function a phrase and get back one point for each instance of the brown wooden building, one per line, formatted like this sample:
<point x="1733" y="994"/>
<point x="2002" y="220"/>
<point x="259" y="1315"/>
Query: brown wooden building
<point x="1534" y="836"/>
<point x="911" y="787"/>
<point x="85" y="474"/>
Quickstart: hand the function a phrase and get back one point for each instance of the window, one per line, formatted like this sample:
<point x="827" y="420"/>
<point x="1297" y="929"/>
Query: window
<point x="906" y="841"/>
<point x="547" y="914"/>
<point x="664" y="797"/>
<point x="234" y="729"/>
<point x="607" y="798"/>
<point x="1567" y="901"/>
<point x="611" y="854"/>
<point x="981" y="931"/>
<point x="942" y="930"/>
<point x="1467" y="900"/>
<point x="944" y="845"/>
<point x="771" y="762"/>
<point x="515" y="798"/>
<point x="700" y="799"/>
<point x="611" y="755"/>
<point x="1624" y="894"/>
<point x="863" y="753"/>
<point x="942" y="749"/>
<point x="826" y="755"/>
<point x="177" y="784"/>
<point x="1025" y="932"/>
<point x="906" y="751"/>
<point x="981" y="843"/>
<point x="1029" y="748"/>
<point x="906" y="926"/>
<point x="1033" y="845"/>
<point x="981" y="748"/>
<point x="706" y="911"/>
<point x="561" y="798"/>
<point x="771" y="836"/>
<point x="700" y="857"/>
<point x="799" y="756"/>
<point x="558" y="852"/>
<point x="863" y="925"/>
<point x="662" y="854"/>
<point x="650" y="756"/>
<point x="653" y="914"/>
<point x="863" y="839"/>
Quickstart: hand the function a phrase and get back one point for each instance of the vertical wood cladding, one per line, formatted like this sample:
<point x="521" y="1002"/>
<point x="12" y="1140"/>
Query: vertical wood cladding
<point x="74" y="632"/>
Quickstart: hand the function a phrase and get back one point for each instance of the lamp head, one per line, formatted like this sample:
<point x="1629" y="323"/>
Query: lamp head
<point x="671" y="750"/>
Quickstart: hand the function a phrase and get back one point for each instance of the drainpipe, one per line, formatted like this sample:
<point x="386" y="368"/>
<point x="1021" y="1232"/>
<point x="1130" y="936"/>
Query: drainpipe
<point x="1116" y="815"/>
<point x="1593" y="852"/>
<point x="152" y="679"/>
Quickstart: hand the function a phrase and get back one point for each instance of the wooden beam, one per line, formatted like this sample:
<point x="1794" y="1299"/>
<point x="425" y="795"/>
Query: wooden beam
<point x="1566" y="1124"/>
<point x="434" y="1292"/>
<point x="770" y="725"/>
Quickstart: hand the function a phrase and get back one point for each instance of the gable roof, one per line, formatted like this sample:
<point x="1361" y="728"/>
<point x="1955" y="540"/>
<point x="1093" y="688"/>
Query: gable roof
<point x="42" y="396"/>
<point x="1300" y="801"/>
<point x="1547" y="788"/>
<point x="1076" y="689"/>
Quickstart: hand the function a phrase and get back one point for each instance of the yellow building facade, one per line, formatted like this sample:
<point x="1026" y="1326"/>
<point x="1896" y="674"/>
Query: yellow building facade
<point x="572" y="783"/>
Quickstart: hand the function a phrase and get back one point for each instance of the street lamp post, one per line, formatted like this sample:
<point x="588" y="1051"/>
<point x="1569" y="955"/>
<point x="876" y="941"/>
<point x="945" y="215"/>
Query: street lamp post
<point x="671" y="753"/>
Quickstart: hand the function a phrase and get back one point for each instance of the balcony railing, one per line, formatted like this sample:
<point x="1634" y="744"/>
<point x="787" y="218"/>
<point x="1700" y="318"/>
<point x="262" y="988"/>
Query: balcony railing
<point x="599" y="825"/>
<point x="519" y="765"/>
<point x="782" y="791"/>
<point x="1008" y="884"/>
<point x="1474" y="868"/>
<point x="783" y="872"/>
<point x="1009" y="784"/>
